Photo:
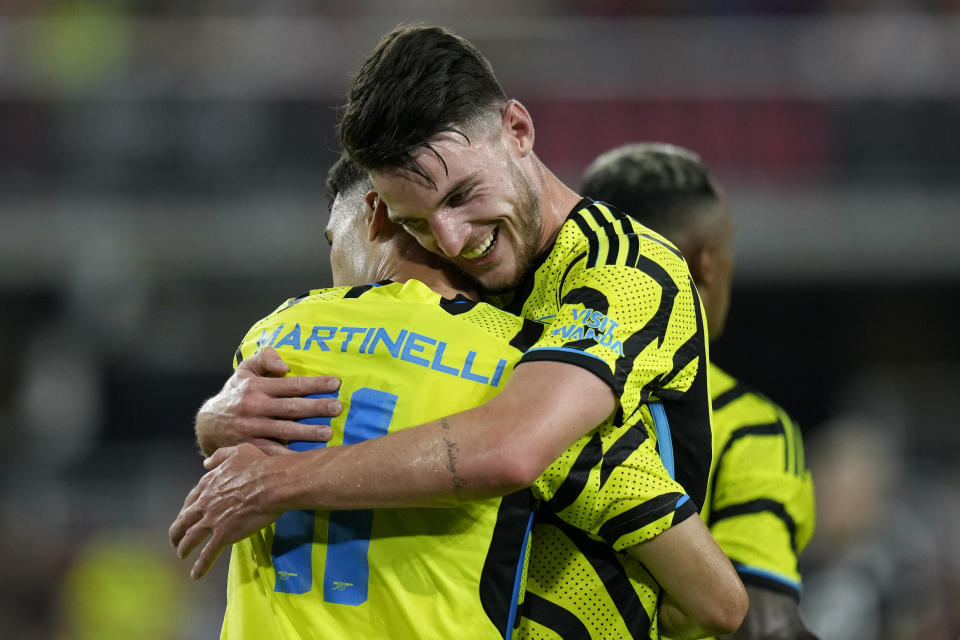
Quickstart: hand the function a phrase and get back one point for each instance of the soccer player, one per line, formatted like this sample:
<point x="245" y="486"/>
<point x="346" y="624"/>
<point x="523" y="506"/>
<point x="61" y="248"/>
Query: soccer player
<point x="406" y="354"/>
<point x="760" y="506"/>
<point x="452" y="159"/>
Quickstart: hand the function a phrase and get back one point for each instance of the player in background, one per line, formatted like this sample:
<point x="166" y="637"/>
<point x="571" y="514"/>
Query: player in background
<point x="760" y="506"/>
<point x="453" y="161"/>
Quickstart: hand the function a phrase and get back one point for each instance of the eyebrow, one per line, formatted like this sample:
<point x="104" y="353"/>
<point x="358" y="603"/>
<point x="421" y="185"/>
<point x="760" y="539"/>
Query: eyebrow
<point x="459" y="185"/>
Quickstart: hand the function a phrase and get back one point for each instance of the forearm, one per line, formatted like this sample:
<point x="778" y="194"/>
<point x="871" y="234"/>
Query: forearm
<point x="676" y="623"/>
<point x="702" y="593"/>
<point x="437" y="464"/>
<point x="487" y="451"/>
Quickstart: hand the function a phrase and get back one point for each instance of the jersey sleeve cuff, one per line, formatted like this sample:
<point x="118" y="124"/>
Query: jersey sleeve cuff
<point x="640" y="523"/>
<point x="766" y="579"/>
<point x="593" y="364"/>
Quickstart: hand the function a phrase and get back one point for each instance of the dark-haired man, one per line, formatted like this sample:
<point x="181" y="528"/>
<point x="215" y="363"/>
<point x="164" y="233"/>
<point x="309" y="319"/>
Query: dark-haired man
<point x="760" y="506"/>
<point x="452" y="159"/>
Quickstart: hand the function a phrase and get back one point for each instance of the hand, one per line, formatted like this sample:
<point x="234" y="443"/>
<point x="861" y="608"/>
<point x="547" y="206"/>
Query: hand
<point x="259" y="406"/>
<point x="228" y="504"/>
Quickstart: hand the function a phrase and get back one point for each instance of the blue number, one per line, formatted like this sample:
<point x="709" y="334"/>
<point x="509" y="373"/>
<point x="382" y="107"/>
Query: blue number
<point x="293" y="535"/>
<point x="347" y="572"/>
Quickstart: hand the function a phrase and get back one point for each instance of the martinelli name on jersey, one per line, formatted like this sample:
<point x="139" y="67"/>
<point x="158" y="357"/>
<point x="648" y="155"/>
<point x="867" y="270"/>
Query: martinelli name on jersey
<point x="409" y="346"/>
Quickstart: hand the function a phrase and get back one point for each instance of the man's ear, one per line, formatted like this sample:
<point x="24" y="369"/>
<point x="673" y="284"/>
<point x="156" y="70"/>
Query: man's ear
<point x="518" y="127"/>
<point x="702" y="261"/>
<point x="375" y="214"/>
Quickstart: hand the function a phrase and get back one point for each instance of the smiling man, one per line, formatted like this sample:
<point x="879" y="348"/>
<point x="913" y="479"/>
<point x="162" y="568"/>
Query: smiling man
<point x="452" y="159"/>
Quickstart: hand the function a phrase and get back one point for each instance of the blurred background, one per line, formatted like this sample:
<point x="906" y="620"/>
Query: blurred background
<point x="161" y="188"/>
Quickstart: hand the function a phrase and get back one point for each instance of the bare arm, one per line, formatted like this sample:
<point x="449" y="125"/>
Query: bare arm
<point x="487" y="451"/>
<point x="257" y="405"/>
<point x="703" y="594"/>
<point x="772" y="616"/>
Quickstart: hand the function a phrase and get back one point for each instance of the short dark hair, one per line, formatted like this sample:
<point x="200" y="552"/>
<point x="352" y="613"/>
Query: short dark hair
<point x="344" y="175"/>
<point x="418" y="82"/>
<point x="660" y="185"/>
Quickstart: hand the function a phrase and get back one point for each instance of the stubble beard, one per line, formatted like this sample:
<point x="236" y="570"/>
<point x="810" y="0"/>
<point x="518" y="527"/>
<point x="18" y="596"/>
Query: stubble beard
<point x="528" y="225"/>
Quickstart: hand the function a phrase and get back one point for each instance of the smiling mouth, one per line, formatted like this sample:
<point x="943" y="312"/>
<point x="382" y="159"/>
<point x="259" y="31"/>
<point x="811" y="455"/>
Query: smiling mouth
<point x="484" y="249"/>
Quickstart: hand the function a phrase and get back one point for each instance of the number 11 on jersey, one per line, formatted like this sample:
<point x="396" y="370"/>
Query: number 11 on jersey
<point x="347" y="572"/>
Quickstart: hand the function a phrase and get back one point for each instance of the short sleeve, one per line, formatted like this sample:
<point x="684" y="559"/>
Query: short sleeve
<point x="762" y="512"/>
<point x="627" y="324"/>
<point x="612" y="485"/>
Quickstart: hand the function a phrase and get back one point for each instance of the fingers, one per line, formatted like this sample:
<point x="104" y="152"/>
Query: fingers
<point x="298" y="386"/>
<point x="193" y="537"/>
<point x="209" y="517"/>
<point x="194" y="493"/>
<point x="178" y="529"/>
<point x="213" y="462"/>
<point x="288" y="431"/>
<point x="288" y="408"/>
<point x="187" y="517"/>
<point x="292" y="398"/>
<point x="189" y="541"/>
<point x="270" y="447"/>
<point x="209" y="554"/>
<point x="266" y="362"/>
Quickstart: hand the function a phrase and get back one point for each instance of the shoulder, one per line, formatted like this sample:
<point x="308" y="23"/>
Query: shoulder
<point x="727" y="393"/>
<point x="745" y="419"/>
<point x="312" y="296"/>
<point x="322" y="302"/>
<point x="600" y="223"/>
<point x="374" y="292"/>
<point x="599" y="239"/>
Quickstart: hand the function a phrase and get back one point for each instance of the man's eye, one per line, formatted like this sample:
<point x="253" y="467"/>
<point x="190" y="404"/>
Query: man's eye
<point x="457" y="199"/>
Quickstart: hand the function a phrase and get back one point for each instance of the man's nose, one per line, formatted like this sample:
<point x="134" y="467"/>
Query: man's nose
<point x="450" y="233"/>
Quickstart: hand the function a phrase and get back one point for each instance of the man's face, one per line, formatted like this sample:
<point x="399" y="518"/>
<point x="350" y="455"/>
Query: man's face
<point x="482" y="215"/>
<point x="347" y="234"/>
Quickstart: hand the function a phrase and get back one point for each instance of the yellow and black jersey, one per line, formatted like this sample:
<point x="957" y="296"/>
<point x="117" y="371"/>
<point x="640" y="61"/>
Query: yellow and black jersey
<point x="761" y="503"/>
<point x="618" y="300"/>
<point x="405" y="356"/>
<point x="610" y="490"/>
<point x="579" y="588"/>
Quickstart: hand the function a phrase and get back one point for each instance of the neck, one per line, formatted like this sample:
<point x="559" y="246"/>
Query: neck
<point x="432" y="271"/>
<point x="556" y="202"/>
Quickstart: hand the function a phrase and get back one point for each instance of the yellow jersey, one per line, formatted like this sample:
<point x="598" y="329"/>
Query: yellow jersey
<point x="761" y="508"/>
<point x="618" y="300"/>
<point x="405" y="356"/>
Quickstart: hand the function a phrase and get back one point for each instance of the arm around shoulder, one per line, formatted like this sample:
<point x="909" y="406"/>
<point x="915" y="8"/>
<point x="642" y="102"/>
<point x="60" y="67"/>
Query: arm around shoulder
<point x="490" y="450"/>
